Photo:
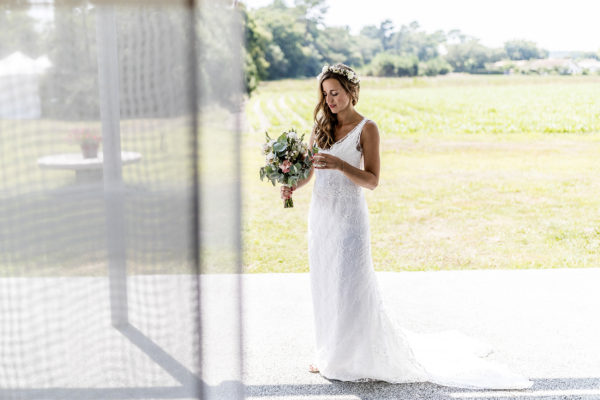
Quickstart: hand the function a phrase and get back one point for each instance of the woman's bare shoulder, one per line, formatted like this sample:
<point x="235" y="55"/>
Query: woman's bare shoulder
<point x="370" y="125"/>
<point x="370" y="130"/>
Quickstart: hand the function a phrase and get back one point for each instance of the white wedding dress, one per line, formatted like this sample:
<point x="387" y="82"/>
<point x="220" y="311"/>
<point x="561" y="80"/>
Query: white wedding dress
<point x="356" y="340"/>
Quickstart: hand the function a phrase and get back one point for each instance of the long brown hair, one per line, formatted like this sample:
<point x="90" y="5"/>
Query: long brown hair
<point x="325" y="120"/>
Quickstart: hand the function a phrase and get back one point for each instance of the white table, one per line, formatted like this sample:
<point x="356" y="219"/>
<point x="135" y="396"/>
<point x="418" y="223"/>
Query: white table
<point x="86" y="169"/>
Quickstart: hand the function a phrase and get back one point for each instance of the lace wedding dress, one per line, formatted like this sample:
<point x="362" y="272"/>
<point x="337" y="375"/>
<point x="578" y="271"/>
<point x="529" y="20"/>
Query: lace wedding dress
<point x="356" y="340"/>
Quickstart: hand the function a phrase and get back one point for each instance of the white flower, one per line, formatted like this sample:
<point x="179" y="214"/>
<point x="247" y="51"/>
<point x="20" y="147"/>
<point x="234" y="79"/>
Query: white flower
<point x="270" y="157"/>
<point x="292" y="135"/>
<point x="350" y="75"/>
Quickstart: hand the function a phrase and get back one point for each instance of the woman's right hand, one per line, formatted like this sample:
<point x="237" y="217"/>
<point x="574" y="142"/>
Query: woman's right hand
<point x="286" y="191"/>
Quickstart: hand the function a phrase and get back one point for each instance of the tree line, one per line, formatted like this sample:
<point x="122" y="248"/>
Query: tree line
<point x="154" y="46"/>
<point x="292" y="41"/>
<point x="281" y="41"/>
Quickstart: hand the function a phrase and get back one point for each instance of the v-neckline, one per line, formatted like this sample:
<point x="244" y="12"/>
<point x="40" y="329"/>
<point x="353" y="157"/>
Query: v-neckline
<point x="351" y="130"/>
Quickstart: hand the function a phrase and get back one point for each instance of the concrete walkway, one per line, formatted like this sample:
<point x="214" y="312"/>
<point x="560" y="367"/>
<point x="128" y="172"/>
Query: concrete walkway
<point x="545" y="324"/>
<point x="57" y="341"/>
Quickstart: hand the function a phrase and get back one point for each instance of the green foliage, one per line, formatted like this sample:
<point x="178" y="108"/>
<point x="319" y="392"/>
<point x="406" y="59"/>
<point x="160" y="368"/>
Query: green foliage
<point x="411" y="40"/>
<point x="292" y="49"/>
<point x="70" y="89"/>
<point x="434" y="66"/>
<point x="17" y="30"/>
<point x="289" y="148"/>
<point x="523" y="50"/>
<point x="368" y="47"/>
<point x="336" y="44"/>
<point x="300" y="43"/>
<point x="382" y="33"/>
<point x="293" y="42"/>
<point x="257" y="40"/>
<point x="152" y="83"/>
<point x="387" y="64"/>
<point x="577" y="55"/>
<point x="219" y="51"/>
<point x="471" y="56"/>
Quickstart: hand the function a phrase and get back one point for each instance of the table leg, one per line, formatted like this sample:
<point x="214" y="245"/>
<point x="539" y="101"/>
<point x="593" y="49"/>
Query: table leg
<point x="88" y="175"/>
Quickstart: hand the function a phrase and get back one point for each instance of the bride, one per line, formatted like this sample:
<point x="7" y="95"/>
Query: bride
<point x="356" y="340"/>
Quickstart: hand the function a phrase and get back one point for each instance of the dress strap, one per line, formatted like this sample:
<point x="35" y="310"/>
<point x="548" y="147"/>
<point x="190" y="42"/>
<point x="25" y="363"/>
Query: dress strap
<point x="361" y="125"/>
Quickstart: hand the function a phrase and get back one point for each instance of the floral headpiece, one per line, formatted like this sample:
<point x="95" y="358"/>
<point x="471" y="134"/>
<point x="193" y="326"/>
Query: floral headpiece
<point x="349" y="74"/>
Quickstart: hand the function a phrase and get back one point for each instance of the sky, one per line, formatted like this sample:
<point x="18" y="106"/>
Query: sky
<point x="572" y="25"/>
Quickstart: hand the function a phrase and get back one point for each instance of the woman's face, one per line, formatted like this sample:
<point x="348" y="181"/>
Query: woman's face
<point x="336" y="97"/>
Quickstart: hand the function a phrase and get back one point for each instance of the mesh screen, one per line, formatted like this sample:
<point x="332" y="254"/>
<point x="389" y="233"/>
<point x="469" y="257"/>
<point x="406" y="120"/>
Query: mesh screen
<point x="119" y="195"/>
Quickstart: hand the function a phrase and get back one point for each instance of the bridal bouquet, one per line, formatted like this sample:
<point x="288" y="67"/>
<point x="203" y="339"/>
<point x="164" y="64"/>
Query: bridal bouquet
<point x="288" y="160"/>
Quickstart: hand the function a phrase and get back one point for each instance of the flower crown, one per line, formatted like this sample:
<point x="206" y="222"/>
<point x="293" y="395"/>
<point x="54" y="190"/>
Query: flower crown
<point x="349" y="74"/>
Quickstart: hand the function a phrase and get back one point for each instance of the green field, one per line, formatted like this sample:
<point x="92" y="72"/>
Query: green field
<point x="476" y="172"/>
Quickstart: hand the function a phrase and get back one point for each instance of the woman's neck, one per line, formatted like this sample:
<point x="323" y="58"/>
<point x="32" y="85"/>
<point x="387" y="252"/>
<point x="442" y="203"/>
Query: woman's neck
<point x="347" y="117"/>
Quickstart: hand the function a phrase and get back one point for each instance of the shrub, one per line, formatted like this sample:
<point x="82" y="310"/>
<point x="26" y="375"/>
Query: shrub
<point x="434" y="66"/>
<point x="386" y="64"/>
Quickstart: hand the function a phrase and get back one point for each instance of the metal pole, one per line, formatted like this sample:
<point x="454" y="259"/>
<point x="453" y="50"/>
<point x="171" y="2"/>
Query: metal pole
<point x="108" y="80"/>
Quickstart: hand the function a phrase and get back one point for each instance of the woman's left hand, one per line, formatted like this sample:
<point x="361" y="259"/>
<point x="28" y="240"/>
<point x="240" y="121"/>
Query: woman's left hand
<point x="327" y="161"/>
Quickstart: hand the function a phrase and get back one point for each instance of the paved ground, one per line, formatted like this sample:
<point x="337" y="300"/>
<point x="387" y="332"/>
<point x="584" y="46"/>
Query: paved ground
<point x="543" y="323"/>
<point x="57" y="341"/>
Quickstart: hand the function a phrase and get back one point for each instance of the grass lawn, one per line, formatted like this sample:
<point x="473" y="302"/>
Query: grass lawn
<point x="476" y="172"/>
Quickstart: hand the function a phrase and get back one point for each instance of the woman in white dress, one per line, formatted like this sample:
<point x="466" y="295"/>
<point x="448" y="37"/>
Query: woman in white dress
<point x="356" y="340"/>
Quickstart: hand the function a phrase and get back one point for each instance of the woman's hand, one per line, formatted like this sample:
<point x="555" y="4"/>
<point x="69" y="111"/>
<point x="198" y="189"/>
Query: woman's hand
<point x="327" y="161"/>
<point x="286" y="191"/>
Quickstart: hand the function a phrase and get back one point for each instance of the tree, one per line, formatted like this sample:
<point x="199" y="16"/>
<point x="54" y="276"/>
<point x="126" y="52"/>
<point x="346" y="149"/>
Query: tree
<point x="584" y="54"/>
<point x="434" y="66"/>
<point x="370" y="31"/>
<point x="382" y="33"/>
<point x="336" y="44"/>
<point x="368" y="47"/>
<point x="455" y="36"/>
<point x="523" y="50"/>
<point x="469" y="56"/>
<point x="386" y="30"/>
<point x="410" y="40"/>
<point x="294" y="31"/>
<point x="153" y="48"/>
<point x="70" y="89"/>
<point x="257" y="40"/>
<point x="292" y="41"/>
<point x="388" y="64"/>
<point x="18" y="31"/>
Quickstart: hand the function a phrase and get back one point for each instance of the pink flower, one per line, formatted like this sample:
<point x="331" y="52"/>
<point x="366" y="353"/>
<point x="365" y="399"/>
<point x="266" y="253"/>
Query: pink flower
<point x="285" y="166"/>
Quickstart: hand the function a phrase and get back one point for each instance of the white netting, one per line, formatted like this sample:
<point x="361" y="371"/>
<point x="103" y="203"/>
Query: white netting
<point x="110" y="204"/>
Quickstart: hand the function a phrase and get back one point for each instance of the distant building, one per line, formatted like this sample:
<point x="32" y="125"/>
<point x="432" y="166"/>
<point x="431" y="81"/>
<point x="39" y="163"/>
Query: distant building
<point x="19" y="86"/>
<point x="589" y="65"/>
<point x="566" y="66"/>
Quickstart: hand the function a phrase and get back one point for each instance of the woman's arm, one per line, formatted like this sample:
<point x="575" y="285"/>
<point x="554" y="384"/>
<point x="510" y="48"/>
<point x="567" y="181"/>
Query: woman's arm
<point x="369" y="177"/>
